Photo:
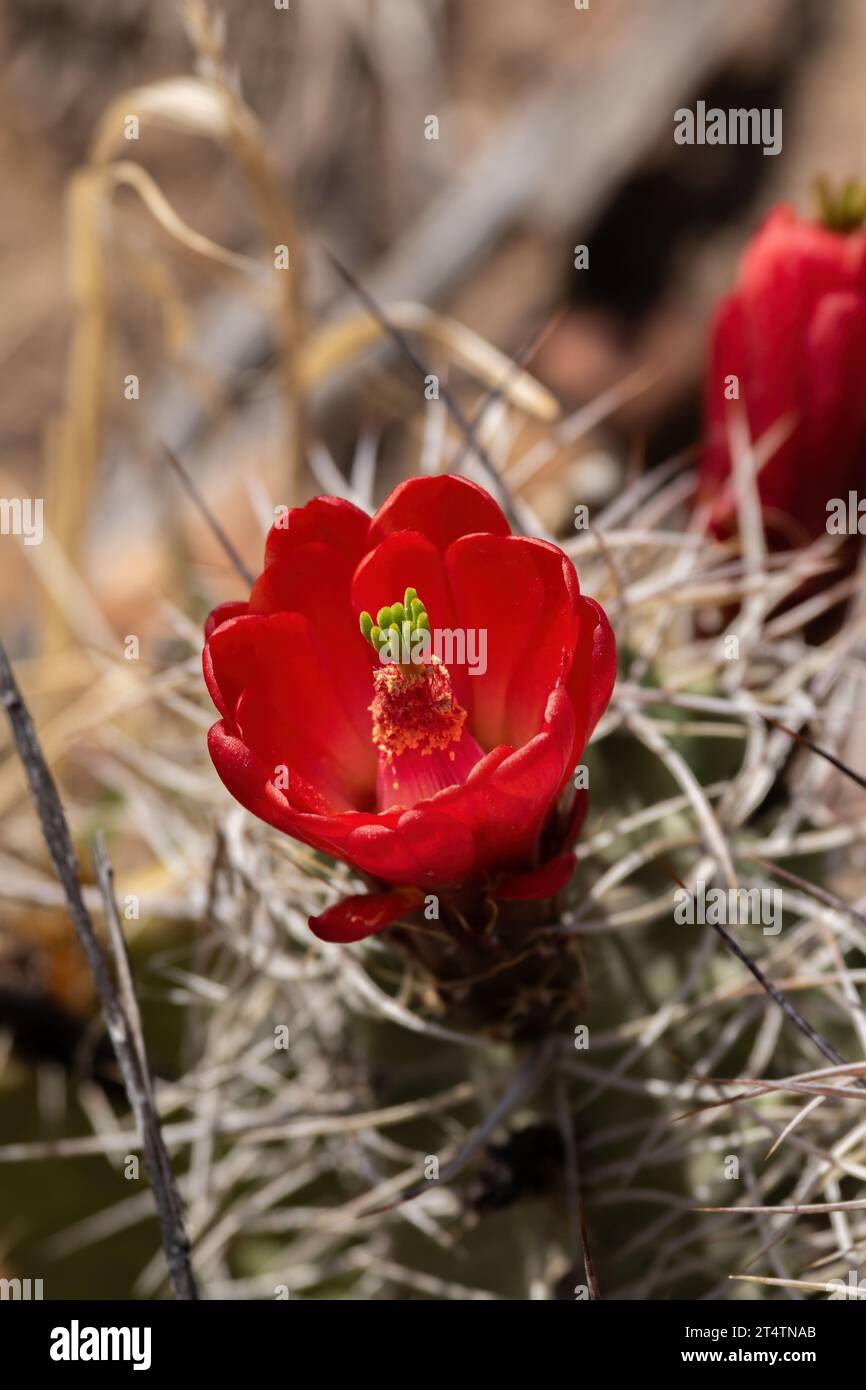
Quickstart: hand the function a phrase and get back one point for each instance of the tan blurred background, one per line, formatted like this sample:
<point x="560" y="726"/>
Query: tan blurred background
<point x="555" y="127"/>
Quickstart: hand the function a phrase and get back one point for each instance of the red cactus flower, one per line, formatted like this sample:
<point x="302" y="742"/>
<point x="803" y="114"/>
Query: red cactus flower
<point x="793" y="333"/>
<point x="424" y="775"/>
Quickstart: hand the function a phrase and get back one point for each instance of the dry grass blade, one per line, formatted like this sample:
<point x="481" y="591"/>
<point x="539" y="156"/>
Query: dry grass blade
<point x="328" y="349"/>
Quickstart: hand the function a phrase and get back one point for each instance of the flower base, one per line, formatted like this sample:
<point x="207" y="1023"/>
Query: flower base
<point x="504" y="969"/>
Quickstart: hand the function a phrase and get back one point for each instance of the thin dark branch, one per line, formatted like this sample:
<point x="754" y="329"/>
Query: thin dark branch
<point x="125" y="988"/>
<point x="812" y="890"/>
<point x="121" y="1031"/>
<point x="574" y="1197"/>
<point x="816" y="748"/>
<point x="466" y="427"/>
<point x="817" y="1039"/>
<point x="588" y="1262"/>
<point x="526" y="1079"/>
<point x="790" y="1010"/>
<point x="195" y="496"/>
<point x="139" y="1087"/>
<point x="495" y="394"/>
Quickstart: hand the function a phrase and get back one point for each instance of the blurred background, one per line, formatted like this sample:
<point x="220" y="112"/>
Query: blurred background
<point x="175" y="180"/>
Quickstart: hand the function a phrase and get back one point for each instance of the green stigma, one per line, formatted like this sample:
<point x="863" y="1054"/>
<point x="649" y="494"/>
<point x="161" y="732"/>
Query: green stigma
<point x="842" y="209"/>
<point x="399" y="623"/>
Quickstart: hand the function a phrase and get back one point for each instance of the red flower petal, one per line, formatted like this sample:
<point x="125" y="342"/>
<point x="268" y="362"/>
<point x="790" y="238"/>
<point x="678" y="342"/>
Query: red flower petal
<point x="222" y="613"/>
<point x="277" y="683"/>
<point x="441" y="508"/>
<point x="315" y="580"/>
<point x="835" y="351"/>
<point x="249" y="780"/>
<point x="227" y="675"/>
<point x="428" y="850"/>
<point x="501" y="585"/>
<point x="507" y="797"/>
<point x="593" y="672"/>
<point x="555" y="629"/>
<point x="331" y="520"/>
<point x="386" y="572"/>
<point x="545" y="882"/>
<point x="310" y="556"/>
<point x="354" y="918"/>
<point x="423" y="847"/>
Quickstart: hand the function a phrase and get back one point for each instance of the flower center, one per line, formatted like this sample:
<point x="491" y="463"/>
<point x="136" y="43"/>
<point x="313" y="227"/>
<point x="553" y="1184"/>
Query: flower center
<point x="401" y="632"/>
<point x="415" y="710"/>
<point x="418" y="722"/>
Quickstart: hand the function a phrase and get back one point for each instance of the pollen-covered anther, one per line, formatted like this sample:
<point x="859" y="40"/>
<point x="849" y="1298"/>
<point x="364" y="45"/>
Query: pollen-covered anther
<point x="415" y="710"/>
